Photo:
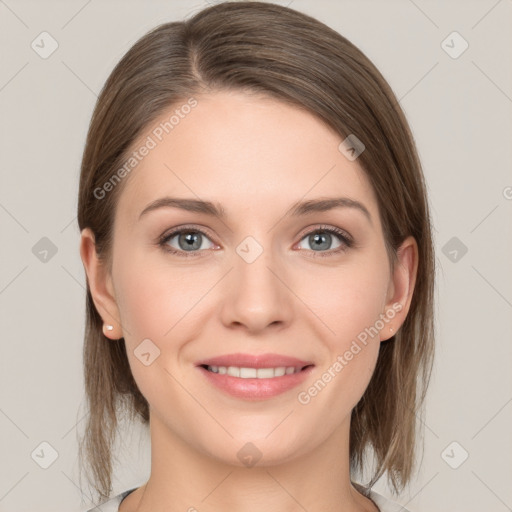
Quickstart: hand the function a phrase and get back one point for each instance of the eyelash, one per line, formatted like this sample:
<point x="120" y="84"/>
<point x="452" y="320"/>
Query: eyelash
<point x="345" y="239"/>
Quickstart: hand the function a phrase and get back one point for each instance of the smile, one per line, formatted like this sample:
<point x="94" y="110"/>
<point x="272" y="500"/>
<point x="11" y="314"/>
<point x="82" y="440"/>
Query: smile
<point x="253" y="373"/>
<point x="255" y="377"/>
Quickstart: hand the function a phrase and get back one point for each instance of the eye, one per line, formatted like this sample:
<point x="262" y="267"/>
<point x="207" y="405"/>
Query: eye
<point x="321" y="240"/>
<point x="189" y="241"/>
<point x="185" y="241"/>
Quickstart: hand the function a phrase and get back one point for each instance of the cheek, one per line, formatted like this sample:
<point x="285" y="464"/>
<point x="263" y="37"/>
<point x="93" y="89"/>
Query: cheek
<point x="153" y="298"/>
<point x="348" y="299"/>
<point x="349" y="303"/>
<point x="156" y="303"/>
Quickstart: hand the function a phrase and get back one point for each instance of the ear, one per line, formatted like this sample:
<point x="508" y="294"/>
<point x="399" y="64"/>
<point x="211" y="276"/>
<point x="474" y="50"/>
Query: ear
<point x="401" y="287"/>
<point x="100" y="284"/>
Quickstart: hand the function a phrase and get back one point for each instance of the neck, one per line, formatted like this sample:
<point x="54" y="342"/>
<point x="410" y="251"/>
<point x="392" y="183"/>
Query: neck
<point x="187" y="479"/>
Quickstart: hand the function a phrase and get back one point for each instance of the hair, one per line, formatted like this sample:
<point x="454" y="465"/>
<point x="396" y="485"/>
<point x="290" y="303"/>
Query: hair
<point x="275" y="51"/>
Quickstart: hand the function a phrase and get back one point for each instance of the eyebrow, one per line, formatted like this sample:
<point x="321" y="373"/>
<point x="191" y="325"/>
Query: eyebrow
<point x="216" y="210"/>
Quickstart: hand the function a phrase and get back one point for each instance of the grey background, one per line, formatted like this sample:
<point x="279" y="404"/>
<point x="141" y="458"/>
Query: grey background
<point x="460" y="113"/>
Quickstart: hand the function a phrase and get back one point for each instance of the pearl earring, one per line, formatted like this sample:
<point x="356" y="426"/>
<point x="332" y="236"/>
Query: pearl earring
<point x="391" y="329"/>
<point x="108" y="327"/>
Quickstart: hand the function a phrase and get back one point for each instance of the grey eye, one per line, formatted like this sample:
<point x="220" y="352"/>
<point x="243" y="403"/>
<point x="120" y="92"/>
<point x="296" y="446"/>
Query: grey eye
<point x="321" y="240"/>
<point x="188" y="241"/>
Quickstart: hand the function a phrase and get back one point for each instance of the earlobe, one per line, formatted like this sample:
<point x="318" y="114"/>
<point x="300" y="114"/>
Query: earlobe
<point x="100" y="285"/>
<point x="401" y="287"/>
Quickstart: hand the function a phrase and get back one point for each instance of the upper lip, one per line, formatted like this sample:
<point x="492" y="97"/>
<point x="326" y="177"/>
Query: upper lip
<point x="254" y="361"/>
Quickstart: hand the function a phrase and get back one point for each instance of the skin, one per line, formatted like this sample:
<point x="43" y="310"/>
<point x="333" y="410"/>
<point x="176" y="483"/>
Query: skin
<point x="256" y="157"/>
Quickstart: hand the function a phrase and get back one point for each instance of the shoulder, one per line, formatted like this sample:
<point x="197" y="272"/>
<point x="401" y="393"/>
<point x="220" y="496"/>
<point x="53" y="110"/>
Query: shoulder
<point x="384" y="504"/>
<point x="112" y="505"/>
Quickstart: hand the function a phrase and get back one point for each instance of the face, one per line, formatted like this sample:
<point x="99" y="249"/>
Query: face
<point x="267" y="286"/>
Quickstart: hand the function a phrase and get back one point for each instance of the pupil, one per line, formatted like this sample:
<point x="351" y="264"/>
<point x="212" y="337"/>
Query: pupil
<point x="191" y="241"/>
<point x="321" y="240"/>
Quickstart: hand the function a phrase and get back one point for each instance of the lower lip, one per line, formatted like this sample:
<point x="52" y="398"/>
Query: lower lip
<point x="256" y="389"/>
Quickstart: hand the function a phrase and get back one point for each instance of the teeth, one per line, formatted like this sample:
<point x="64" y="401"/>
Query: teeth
<point x="266" y="373"/>
<point x="280" y="371"/>
<point x="248" y="373"/>
<point x="233" y="371"/>
<point x="254" y="373"/>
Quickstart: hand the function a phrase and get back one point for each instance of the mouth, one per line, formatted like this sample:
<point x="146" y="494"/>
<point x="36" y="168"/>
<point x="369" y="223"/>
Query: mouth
<point x="254" y="373"/>
<point x="251" y="377"/>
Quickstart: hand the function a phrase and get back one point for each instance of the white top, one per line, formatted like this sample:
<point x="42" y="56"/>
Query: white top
<point x="383" y="504"/>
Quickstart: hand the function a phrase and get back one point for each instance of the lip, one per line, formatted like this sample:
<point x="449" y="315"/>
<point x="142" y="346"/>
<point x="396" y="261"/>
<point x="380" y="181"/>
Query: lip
<point x="254" y="361"/>
<point x="253" y="388"/>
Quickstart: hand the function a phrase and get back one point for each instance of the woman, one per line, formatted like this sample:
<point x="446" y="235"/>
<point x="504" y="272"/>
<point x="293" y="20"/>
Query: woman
<point x="257" y="244"/>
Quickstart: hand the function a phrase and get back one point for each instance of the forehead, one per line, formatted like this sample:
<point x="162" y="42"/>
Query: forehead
<point x="244" y="151"/>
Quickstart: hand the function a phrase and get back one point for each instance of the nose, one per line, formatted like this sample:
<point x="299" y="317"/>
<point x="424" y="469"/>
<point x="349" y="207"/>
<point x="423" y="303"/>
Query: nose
<point x="255" y="294"/>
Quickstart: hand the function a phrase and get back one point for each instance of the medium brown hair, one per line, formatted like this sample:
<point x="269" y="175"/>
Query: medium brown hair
<point x="283" y="54"/>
